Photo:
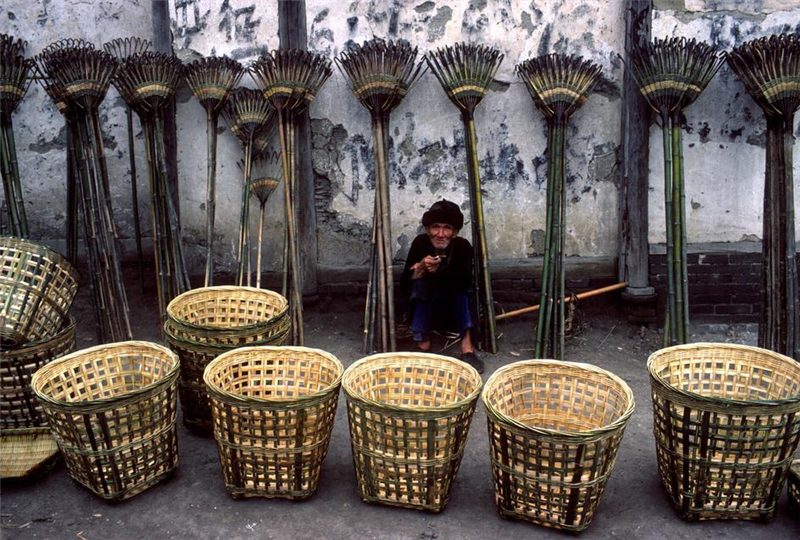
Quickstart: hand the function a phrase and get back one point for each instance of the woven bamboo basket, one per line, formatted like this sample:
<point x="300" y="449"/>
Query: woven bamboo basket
<point x="794" y="488"/>
<point x="554" y="431"/>
<point x="204" y="323"/>
<point x="26" y="453"/>
<point x="112" y="410"/>
<point x="273" y="411"/>
<point x="19" y="407"/>
<point x="37" y="286"/>
<point x="409" y="415"/>
<point x="726" y="426"/>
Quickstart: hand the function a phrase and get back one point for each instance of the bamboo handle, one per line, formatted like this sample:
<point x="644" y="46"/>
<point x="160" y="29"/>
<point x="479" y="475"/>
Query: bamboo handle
<point x="581" y="296"/>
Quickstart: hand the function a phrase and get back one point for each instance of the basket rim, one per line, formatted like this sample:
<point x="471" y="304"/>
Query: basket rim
<point x="226" y="358"/>
<point x="14" y="241"/>
<point x="225" y="288"/>
<point x="69" y="324"/>
<point x="655" y="378"/>
<point x="608" y="428"/>
<point x="74" y="356"/>
<point x="471" y="397"/>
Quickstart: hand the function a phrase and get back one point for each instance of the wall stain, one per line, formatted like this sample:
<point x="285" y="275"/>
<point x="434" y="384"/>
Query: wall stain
<point x="438" y="24"/>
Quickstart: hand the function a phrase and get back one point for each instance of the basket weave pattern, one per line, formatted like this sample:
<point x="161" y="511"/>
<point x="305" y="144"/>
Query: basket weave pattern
<point x="37" y="286"/>
<point x="19" y="407"/>
<point x="726" y="426"/>
<point x="204" y="323"/>
<point x="273" y="411"/>
<point x="409" y="416"/>
<point x="112" y="410"/>
<point x="554" y="432"/>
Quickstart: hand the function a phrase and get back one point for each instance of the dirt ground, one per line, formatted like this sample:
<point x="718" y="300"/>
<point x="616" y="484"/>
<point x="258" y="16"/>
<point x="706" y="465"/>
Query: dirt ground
<point x="194" y="503"/>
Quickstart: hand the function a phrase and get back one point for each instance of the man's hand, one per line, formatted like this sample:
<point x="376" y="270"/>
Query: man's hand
<point x="427" y="265"/>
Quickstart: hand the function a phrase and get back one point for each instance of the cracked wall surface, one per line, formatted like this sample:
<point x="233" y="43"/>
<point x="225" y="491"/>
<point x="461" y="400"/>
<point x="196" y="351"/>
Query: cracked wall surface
<point x="724" y="137"/>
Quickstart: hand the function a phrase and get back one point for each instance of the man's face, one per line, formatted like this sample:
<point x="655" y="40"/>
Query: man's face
<point x="441" y="234"/>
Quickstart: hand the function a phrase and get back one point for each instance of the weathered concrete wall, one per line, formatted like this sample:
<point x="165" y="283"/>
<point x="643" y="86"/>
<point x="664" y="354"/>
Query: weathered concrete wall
<point x="725" y="135"/>
<point x="39" y="128"/>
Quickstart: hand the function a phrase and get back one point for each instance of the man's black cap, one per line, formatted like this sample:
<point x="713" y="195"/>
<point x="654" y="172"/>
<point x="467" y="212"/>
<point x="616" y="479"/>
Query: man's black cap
<point x="443" y="211"/>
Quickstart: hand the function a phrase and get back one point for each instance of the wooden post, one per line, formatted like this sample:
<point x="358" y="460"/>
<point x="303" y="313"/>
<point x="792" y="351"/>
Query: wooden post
<point x="292" y="32"/>
<point x="162" y="42"/>
<point x="634" y="248"/>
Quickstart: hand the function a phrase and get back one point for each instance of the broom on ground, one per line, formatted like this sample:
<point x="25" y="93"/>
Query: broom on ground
<point x="559" y="85"/>
<point x="290" y="79"/>
<point x="147" y="81"/>
<point x="465" y="72"/>
<point x="212" y="80"/>
<point x="380" y="74"/>
<point x="121" y="49"/>
<point x="85" y="73"/>
<point x="671" y="74"/>
<point x="770" y="70"/>
<point x="14" y="83"/>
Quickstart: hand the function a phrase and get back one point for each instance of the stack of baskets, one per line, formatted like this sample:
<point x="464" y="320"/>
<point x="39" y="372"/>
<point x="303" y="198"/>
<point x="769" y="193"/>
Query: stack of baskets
<point x="112" y="409"/>
<point x="726" y="422"/>
<point x="204" y="323"/>
<point x="409" y="415"/>
<point x="554" y="431"/>
<point x="273" y="411"/>
<point x="37" y="287"/>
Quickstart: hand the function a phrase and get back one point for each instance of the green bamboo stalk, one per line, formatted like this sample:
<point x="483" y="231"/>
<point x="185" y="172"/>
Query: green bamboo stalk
<point x="562" y="241"/>
<point x="677" y="230"/>
<point x="540" y="350"/>
<point x="156" y="218"/>
<point x="670" y="339"/>
<point x="484" y="283"/>
<point x="383" y="186"/>
<point x="135" y="198"/>
<point x="297" y="275"/>
<point x="72" y="196"/>
<point x="792" y="293"/>
<point x="211" y="193"/>
<point x="8" y="181"/>
<point x="14" y="166"/>
<point x="244" y="251"/>
<point x="684" y="253"/>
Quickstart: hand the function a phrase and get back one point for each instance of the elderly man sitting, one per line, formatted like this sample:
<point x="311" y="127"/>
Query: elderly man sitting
<point x="437" y="280"/>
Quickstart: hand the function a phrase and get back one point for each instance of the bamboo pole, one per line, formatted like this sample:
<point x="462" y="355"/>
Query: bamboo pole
<point x="567" y="299"/>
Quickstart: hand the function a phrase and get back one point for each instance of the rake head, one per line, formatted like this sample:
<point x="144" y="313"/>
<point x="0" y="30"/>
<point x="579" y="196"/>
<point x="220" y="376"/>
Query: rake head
<point x="212" y="79"/>
<point x="247" y="113"/>
<point x="559" y="84"/>
<point x="380" y="72"/>
<point x="671" y="73"/>
<point x="147" y="81"/>
<point x="465" y="71"/>
<point x="290" y="78"/>
<point x="124" y="48"/>
<point x="769" y="67"/>
<point x="77" y="73"/>
<point x="14" y="70"/>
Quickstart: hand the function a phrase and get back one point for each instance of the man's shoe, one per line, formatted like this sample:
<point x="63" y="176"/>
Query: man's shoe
<point x="472" y="359"/>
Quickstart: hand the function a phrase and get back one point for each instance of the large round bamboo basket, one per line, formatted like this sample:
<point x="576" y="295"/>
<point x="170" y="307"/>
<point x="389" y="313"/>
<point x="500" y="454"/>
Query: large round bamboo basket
<point x="726" y="423"/>
<point x="112" y="410"/>
<point x="554" y="431"/>
<point x="409" y="416"/>
<point x="19" y="407"/>
<point x="273" y="410"/>
<point x="206" y="322"/>
<point x="37" y="286"/>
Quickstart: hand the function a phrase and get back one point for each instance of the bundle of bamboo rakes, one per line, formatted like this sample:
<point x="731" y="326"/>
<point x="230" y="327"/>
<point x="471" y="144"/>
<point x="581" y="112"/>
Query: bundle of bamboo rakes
<point x="77" y="77"/>
<point x="380" y="74"/>
<point x="290" y="79"/>
<point x="466" y="71"/>
<point x="14" y="83"/>
<point x="559" y="85"/>
<point x="147" y="81"/>
<point x="212" y="79"/>
<point x="671" y="74"/>
<point x="770" y="70"/>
